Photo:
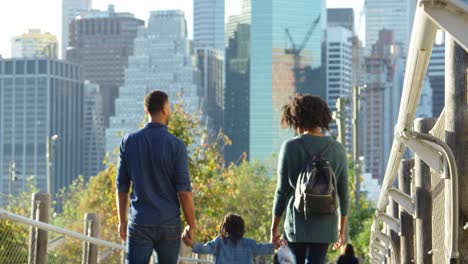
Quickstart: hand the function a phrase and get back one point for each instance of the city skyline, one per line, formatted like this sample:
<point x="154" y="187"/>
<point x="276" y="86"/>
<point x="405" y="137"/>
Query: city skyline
<point x="33" y="16"/>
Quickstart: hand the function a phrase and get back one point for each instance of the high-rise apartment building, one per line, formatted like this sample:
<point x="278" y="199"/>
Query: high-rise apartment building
<point x="102" y="41"/>
<point x="40" y="98"/>
<point x="71" y="9"/>
<point x="35" y="44"/>
<point x="94" y="133"/>
<point x="208" y="24"/>
<point x="210" y="63"/>
<point x="162" y="60"/>
<point x="395" y="15"/>
<point x="384" y="78"/>
<point x="339" y="75"/>
<point x="236" y="121"/>
<point x="287" y="38"/>
<point x="380" y="79"/>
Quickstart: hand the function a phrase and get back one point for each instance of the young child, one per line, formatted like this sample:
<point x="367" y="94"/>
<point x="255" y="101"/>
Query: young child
<point x="230" y="247"/>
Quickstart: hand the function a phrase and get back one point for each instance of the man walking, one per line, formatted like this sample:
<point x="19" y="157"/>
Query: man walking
<point x="154" y="164"/>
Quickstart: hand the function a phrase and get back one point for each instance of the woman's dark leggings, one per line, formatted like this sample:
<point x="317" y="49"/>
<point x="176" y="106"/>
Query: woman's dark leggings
<point x="309" y="253"/>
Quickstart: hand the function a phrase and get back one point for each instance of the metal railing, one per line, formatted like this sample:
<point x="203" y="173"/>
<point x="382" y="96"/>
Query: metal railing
<point x="450" y="16"/>
<point x="15" y="250"/>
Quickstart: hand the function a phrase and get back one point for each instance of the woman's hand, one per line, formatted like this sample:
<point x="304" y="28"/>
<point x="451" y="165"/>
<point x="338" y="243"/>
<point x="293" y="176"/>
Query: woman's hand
<point x="341" y="241"/>
<point x="274" y="236"/>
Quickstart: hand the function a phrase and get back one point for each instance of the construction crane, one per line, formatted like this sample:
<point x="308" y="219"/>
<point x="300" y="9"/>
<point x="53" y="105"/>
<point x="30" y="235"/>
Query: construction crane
<point x="296" y="51"/>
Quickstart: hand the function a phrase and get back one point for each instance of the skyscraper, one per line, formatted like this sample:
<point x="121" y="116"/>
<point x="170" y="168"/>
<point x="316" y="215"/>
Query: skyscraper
<point x="102" y="41"/>
<point x="208" y="24"/>
<point x="34" y="44"/>
<point x="339" y="74"/>
<point x="210" y="63"/>
<point x="235" y="20"/>
<point x="385" y="72"/>
<point x="94" y="134"/>
<point x="395" y="15"/>
<point x="381" y="101"/>
<point x="287" y="38"/>
<point x="341" y="17"/>
<point x="71" y="9"/>
<point x="236" y="121"/>
<point x="162" y="60"/>
<point x="40" y="98"/>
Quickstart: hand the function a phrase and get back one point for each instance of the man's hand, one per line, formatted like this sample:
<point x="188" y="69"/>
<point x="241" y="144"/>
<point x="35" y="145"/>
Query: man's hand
<point x="123" y="230"/>
<point x="189" y="232"/>
<point x="187" y="237"/>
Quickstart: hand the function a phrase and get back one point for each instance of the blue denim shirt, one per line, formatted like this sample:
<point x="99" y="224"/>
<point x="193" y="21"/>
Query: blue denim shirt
<point x="156" y="164"/>
<point x="227" y="252"/>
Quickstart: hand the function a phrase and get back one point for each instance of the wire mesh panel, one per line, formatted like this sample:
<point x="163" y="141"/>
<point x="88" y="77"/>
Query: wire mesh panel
<point x="14" y="241"/>
<point x="109" y="255"/>
<point x="438" y="202"/>
<point x="14" y="237"/>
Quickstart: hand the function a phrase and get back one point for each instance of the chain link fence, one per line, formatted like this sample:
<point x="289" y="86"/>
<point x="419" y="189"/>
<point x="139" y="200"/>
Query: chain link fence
<point x="438" y="201"/>
<point x="14" y="237"/>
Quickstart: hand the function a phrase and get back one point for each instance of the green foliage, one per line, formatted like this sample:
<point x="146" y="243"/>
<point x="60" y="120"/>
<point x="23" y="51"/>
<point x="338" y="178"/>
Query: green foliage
<point x="14" y="237"/>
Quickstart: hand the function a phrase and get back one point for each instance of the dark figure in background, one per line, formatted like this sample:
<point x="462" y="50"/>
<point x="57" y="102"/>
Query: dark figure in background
<point x="348" y="257"/>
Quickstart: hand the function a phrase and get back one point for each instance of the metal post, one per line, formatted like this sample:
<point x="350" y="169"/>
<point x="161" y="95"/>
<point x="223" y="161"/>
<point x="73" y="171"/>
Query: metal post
<point x="49" y="158"/>
<point x="91" y="228"/>
<point x="406" y="220"/>
<point x="340" y="120"/>
<point x="456" y="63"/>
<point x="394" y="211"/>
<point x="49" y="164"/>
<point x="422" y="178"/>
<point x="38" y="238"/>
<point x="12" y="177"/>
<point x="357" y="167"/>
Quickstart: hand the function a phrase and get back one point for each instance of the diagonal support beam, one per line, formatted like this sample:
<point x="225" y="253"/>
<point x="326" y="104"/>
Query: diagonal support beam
<point x="383" y="249"/>
<point x="427" y="152"/>
<point x="403" y="199"/>
<point x="452" y="16"/>
<point x="378" y="258"/>
<point x="392" y="222"/>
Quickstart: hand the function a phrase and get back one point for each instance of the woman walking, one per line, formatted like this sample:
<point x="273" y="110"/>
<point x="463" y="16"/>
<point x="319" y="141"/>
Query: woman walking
<point x="309" y="235"/>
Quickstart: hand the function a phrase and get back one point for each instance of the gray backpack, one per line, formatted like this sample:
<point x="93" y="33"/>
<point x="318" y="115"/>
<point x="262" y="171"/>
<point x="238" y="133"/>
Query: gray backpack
<point x="316" y="185"/>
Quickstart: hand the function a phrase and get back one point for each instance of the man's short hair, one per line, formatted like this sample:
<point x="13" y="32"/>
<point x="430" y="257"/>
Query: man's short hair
<point x="155" y="101"/>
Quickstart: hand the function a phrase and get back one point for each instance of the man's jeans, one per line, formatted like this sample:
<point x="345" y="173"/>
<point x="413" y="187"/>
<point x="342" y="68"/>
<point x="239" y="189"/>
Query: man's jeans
<point x="143" y="239"/>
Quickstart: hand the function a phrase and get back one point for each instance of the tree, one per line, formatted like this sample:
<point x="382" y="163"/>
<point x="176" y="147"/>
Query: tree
<point x="245" y="189"/>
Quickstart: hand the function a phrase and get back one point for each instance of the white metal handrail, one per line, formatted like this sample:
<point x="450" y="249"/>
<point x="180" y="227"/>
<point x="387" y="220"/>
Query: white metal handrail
<point x="451" y="16"/>
<point x="51" y="228"/>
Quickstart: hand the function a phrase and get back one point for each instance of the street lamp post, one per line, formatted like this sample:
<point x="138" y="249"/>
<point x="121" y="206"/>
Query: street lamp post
<point x="357" y="166"/>
<point x="49" y="157"/>
<point x="12" y="177"/>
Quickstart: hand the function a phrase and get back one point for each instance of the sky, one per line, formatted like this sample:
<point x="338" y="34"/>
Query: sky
<point x="17" y="16"/>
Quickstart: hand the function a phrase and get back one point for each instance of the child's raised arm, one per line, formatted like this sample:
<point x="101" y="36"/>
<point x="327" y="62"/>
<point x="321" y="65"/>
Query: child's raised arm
<point x="208" y="248"/>
<point x="262" y="249"/>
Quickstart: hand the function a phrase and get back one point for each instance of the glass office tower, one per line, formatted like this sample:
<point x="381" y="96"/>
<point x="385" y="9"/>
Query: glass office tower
<point x="286" y="57"/>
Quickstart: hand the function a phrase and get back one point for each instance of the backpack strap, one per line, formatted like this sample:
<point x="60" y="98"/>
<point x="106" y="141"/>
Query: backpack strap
<point x="325" y="150"/>
<point x="320" y="153"/>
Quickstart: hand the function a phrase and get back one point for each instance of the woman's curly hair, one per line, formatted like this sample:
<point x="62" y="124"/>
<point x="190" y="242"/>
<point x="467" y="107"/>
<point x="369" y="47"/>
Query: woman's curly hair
<point x="232" y="227"/>
<point x="306" y="111"/>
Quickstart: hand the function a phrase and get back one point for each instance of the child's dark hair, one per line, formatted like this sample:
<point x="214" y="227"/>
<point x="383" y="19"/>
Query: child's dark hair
<point x="232" y="227"/>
